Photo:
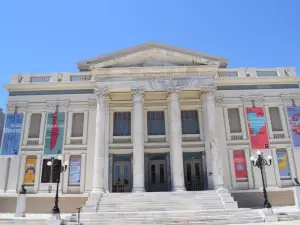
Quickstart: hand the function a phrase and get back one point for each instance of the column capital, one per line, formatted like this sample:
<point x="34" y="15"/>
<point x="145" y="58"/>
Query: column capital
<point x="137" y="94"/>
<point x="173" y="90"/>
<point x="209" y="90"/>
<point x="101" y="94"/>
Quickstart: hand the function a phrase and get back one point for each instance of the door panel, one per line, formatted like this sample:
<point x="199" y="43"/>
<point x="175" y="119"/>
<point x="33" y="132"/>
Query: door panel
<point x="193" y="175"/>
<point x="157" y="175"/>
<point x="121" y="177"/>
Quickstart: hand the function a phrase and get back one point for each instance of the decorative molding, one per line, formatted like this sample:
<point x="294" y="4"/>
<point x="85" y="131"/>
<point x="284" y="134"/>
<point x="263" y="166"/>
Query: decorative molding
<point x="92" y="103"/>
<point x="11" y="106"/>
<point x="60" y="103"/>
<point x="287" y="98"/>
<point x="101" y="94"/>
<point x="219" y="100"/>
<point x="247" y="100"/>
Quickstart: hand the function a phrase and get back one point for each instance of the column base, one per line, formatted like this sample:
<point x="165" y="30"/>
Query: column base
<point x="178" y="189"/>
<point x="138" y="189"/>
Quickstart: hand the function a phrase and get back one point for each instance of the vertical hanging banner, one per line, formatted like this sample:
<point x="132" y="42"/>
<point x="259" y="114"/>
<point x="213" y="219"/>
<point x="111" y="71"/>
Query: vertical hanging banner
<point x="257" y="125"/>
<point x="75" y="171"/>
<point x="29" y="175"/>
<point x="12" y="134"/>
<point x="240" y="166"/>
<point x="54" y="133"/>
<point x="294" y="123"/>
<point x="283" y="164"/>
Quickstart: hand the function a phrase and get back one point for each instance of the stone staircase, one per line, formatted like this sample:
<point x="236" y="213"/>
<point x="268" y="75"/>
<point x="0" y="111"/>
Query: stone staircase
<point x="205" y="207"/>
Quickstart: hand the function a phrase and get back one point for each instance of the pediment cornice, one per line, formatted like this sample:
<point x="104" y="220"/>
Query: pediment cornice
<point x="138" y="54"/>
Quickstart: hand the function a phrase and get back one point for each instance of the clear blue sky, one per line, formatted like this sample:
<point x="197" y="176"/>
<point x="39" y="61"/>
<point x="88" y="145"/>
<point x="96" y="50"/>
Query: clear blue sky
<point x="40" y="36"/>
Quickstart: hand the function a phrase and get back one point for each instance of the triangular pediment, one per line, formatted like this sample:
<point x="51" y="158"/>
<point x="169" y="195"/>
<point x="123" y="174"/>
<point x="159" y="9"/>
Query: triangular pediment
<point x="152" y="54"/>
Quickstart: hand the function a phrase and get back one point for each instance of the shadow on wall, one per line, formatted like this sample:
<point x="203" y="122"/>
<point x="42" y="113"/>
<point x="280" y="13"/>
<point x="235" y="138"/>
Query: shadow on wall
<point x="256" y="199"/>
<point x="42" y="204"/>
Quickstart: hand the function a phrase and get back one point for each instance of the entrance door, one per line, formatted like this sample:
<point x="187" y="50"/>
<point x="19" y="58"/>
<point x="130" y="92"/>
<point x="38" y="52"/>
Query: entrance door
<point x="121" y="178"/>
<point x="158" y="176"/>
<point x="193" y="175"/>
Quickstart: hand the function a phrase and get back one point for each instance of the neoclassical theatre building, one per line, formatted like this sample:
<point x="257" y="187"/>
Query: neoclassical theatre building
<point x="151" y="118"/>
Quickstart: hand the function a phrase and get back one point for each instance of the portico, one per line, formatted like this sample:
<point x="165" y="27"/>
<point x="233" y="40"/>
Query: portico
<point x="144" y="169"/>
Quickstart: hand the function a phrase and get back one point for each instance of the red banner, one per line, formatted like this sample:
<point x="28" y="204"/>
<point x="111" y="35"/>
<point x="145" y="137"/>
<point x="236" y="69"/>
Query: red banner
<point x="257" y="125"/>
<point x="240" y="166"/>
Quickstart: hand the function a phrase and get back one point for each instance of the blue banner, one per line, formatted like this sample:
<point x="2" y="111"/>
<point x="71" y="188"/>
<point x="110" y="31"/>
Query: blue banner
<point x="294" y="124"/>
<point x="12" y="134"/>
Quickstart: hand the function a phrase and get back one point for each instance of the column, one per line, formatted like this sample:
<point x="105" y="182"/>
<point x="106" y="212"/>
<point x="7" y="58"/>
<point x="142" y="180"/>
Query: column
<point x="176" y="155"/>
<point x="283" y="121"/>
<point x="65" y="175"/>
<point x="138" y="141"/>
<point x="212" y="137"/>
<point x="99" y="151"/>
<point x="26" y="127"/>
<point x="38" y="172"/>
<point x="21" y="171"/>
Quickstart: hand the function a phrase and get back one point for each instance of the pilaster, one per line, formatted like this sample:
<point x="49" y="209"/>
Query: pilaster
<point x="83" y="172"/>
<point x="243" y="122"/>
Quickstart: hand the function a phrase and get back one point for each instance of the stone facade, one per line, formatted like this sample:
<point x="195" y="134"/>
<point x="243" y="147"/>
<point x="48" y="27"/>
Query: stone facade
<point x="120" y="149"/>
<point x="2" y="120"/>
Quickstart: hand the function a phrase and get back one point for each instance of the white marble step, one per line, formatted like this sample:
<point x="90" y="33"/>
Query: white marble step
<point x="162" y="214"/>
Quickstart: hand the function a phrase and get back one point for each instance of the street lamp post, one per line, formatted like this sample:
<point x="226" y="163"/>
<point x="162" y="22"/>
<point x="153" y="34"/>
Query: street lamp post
<point x="59" y="168"/>
<point x="261" y="163"/>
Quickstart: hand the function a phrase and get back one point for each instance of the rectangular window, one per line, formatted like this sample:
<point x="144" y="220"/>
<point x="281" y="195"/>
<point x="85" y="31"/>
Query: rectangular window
<point x="122" y="123"/>
<point x="275" y="119"/>
<point x="77" y="125"/>
<point x="156" y="123"/>
<point x="283" y="164"/>
<point x="35" y="124"/>
<point x="30" y="170"/>
<point x="190" y="122"/>
<point x="240" y="166"/>
<point x="234" y="120"/>
<point x="49" y="173"/>
<point x="74" y="170"/>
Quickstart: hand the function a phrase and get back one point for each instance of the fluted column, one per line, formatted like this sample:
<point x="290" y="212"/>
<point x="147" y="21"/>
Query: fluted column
<point x="138" y="141"/>
<point x="212" y="137"/>
<point x="176" y="140"/>
<point x="99" y="152"/>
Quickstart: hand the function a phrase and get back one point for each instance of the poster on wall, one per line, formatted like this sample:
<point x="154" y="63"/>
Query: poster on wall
<point x="29" y="175"/>
<point x="257" y="126"/>
<point x="240" y="166"/>
<point x="75" y="171"/>
<point x="294" y="124"/>
<point x="283" y="164"/>
<point x="12" y="134"/>
<point x="54" y="133"/>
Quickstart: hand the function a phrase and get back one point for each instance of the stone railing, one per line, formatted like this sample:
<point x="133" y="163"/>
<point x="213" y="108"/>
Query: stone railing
<point x="76" y="140"/>
<point x="88" y="77"/>
<point x="32" y="141"/>
<point x="256" y="72"/>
